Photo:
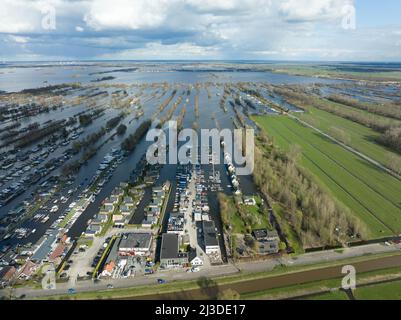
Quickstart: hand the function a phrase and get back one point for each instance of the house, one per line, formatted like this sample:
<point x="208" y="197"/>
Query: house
<point x="147" y="224"/>
<point x="45" y="248"/>
<point x="127" y="201"/>
<point x="158" y="192"/>
<point x="119" y="223"/>
<point x="170" y="255"/>
<point x="117" y="192"/>
<point x="93" y="230"/>
<point x="126" y="210"/>
<point x="27" y="270"/>
<point x="135" y="244"/>
<point x="268" y="247"/>
<point x="250" y="201"/>
<point x="58" y="252"/>
<point x="111" y="201"/>
<point x="117" y="217"/>
<point x="101" y="217"/>
<point x="264" y="234"/>
<point x="6" y="274"/>
<point x="268" y="241"/>
<point x="210" y="238"/>
<point x="108" y="269"/>
<point x="194" y="259"/>
<point x="108" y="208"/>
<point x="111" y="261"/>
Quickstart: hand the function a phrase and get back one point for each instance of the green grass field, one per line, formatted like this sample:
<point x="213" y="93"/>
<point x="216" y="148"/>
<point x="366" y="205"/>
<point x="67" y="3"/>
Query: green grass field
<point x="335" y="295"/>
<point x="246" y="220"/>
<point x="292" y="238"/>
<point x="385" y="291"/>
<point x="371" y="194"/>
<point x="326" y="72"/>
<point x="361" y="137"/>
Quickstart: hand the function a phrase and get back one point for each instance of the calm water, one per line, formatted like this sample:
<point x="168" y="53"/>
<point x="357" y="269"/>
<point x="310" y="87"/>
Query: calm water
<point x="14" y="78"/>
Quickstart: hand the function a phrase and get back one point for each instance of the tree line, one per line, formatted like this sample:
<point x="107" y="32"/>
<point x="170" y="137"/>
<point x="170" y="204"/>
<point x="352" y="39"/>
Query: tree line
<point x="129" y="144"/>
<point x="315" y="216"/>
<point x="385" y="110"/>
<point x="389" y="128"/>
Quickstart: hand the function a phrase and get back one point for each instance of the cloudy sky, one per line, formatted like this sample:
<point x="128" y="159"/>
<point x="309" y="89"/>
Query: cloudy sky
<point x="365" y="30"/>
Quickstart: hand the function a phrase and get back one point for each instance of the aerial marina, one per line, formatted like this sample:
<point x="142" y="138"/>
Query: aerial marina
<point x="77" y="193"/>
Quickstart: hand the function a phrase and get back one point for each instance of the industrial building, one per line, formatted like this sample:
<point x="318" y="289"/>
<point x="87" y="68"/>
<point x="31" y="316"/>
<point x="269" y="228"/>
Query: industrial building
<point x="170" y="255"/>
<point x="135" y="244"/>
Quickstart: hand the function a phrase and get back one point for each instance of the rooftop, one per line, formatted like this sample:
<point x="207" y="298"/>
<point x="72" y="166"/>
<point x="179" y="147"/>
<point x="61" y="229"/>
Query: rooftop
<point x="135" y="240"/>
<point x="169" y="248"/>
<point x="261" y="234"/>
<point x="46" y="247"/>
<point x="209" y="233"/>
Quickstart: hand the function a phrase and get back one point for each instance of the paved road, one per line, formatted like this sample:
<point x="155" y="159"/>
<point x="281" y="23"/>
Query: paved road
<point x="191" y="226"/>
<point x="224" y="270"/>
<point x="210" y="290"/>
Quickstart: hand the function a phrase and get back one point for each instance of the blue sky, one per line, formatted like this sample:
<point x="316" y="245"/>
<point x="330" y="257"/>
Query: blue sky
<point x="375" y="13"/>
<point x="200" y="29"/>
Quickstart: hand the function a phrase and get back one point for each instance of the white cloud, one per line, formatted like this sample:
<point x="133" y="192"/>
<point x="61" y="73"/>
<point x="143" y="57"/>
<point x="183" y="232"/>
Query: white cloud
<point x="26" y="16"/>
<point x="156" y="50"/>
<point x="126" y="14"/>
<point x="312" y="10"/>
<point x="18" y="39"/>
<point x="18" y="16"/>
<point x="173" y="29"/>
<point x="212" y="6"/>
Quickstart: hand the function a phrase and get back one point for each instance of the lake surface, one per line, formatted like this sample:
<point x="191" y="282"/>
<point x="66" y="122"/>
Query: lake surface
<point x="17" y="77"/>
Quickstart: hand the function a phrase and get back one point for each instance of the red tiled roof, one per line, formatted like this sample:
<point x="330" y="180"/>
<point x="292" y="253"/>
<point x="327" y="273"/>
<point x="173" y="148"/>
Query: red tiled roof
<point x="9" y="273"/>
<point x="57" y="252"/>
<point x="28" y="269"/>
<point x="110" y="266"/>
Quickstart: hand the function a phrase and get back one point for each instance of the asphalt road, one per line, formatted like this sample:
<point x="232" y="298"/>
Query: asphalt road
<point x="210" y="290"/>
<point x="223" y="270"/>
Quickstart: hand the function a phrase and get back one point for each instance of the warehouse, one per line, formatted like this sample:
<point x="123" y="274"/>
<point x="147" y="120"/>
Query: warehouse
<point x="210" y="238"/>
<point x="170" y="256"/>
<point x="135" y="244"/>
